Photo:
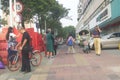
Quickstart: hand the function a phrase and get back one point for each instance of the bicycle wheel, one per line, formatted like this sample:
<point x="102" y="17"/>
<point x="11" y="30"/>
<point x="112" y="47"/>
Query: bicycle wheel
<point x="14" y="63"/>
<point x="36" y="58"/>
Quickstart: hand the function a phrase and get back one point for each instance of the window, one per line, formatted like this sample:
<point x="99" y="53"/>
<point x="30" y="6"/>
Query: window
<point x="102" y="15"/>
<point x="116" y="34"/>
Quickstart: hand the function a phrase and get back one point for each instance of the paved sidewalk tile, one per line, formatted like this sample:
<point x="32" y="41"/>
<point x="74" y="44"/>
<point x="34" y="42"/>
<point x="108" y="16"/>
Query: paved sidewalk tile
<point x="74" y="66"/>
<point x="80" y="66"/>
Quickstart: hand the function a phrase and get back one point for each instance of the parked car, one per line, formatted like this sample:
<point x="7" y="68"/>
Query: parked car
<point x="108" y="41"/>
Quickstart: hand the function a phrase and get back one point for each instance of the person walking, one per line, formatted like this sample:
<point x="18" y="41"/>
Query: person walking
<point x="97" y="41"/>
<point x="70" y="43"/>
<point x="49" y="44"/>
<point x="55" y="43"/>
<point x="25" y="48"/>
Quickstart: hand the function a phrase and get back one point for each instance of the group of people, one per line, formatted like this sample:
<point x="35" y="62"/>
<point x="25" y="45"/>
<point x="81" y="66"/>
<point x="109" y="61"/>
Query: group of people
<point x="51" y="44"/>
<point x="97" y="41"/>
<point x="23" y="46"/>
<point x="84" y="38"/>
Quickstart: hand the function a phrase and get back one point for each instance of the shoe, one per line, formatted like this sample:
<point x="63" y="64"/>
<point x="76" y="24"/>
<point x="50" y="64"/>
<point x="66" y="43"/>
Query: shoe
<point x="52" y="56"/>
<point x="48" y="57"/>
<point x="27" y="71"/>
<point x="98" y="54"/>
<point x="22" y="71"/>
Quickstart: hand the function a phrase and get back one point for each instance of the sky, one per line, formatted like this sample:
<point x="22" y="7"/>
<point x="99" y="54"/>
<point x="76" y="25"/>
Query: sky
<point x="72" y="5"/>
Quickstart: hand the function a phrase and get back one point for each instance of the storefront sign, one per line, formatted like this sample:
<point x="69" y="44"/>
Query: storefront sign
<point x="102" y="16"/>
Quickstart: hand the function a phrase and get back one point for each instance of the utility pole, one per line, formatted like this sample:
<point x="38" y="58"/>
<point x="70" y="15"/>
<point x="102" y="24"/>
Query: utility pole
<point x="15" y="13"/>
<point x="0" y="4"/>
<point x="15" y="6"/>
<point x="0" y="16"/>
<point x="10" y="10"/>
<point x="0" y="7"/>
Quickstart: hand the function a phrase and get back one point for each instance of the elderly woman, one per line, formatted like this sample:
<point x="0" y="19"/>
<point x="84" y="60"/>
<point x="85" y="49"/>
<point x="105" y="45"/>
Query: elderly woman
<point x="49" y="44"/>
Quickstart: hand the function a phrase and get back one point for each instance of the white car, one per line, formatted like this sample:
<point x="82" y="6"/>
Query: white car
<point x="108" y="41"/>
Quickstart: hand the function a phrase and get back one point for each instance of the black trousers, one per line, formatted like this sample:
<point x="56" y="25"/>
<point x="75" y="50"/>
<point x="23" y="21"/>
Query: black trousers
<point x="25" y="61"/>
<point x="55" y="49"/>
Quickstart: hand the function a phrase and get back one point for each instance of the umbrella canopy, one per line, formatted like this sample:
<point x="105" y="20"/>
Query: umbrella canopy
<point x="85" y="31"/>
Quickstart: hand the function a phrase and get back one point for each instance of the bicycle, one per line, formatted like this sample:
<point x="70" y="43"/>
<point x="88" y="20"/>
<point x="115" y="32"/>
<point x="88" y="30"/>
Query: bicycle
<point x="14" y="61"/>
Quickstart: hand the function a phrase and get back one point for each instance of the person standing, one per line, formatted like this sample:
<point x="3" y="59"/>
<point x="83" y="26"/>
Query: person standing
<point x="49" y="44"/>
<point x="55" y="45"/>
<point x="70" y="43"/>
<point x="25" y="48"/>
<point x="97" y="41"/>
<point x="10" y="37"/>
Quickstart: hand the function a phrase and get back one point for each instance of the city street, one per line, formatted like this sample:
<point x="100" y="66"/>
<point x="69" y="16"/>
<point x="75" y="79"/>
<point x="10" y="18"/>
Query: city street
<point x="29" y="25"/>
<point x="73" y="66"/>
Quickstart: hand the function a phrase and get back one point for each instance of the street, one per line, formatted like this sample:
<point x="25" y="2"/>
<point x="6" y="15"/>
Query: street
<point x="72" y="66"/>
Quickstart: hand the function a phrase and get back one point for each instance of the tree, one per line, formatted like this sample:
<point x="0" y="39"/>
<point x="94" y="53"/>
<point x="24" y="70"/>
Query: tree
<point x="3" y="22"/>
<point x="68" y="30"/>
<point x="47" y="10"/>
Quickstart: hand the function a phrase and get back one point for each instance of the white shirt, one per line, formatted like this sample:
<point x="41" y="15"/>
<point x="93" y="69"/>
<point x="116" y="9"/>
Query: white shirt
<point x="10" y="43"/>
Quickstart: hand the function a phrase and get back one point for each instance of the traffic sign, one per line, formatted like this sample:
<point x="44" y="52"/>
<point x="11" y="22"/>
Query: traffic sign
<point x="19" y="7"/>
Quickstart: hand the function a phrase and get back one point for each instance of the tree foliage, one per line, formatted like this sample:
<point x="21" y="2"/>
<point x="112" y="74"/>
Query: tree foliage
<point x="68" y="30"/>
<point x="46" y="10"/>
<point x="3" y="22"/>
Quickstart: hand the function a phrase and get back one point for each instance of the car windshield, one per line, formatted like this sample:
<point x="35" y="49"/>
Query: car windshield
<point x="106" y="36"/>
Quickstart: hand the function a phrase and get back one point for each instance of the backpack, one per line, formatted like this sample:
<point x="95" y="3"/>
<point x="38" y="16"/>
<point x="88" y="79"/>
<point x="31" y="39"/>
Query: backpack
<point x="70" y="42"/>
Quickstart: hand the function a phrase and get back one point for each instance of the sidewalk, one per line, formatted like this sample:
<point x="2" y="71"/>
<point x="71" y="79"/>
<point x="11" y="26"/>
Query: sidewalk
<point x="5" y="74"/>
<point x="80" y="66"/>
<point x="77" y="66"/>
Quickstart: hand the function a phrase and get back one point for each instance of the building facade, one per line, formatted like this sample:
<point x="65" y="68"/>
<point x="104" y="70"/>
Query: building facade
<point x="104" y="13"/>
